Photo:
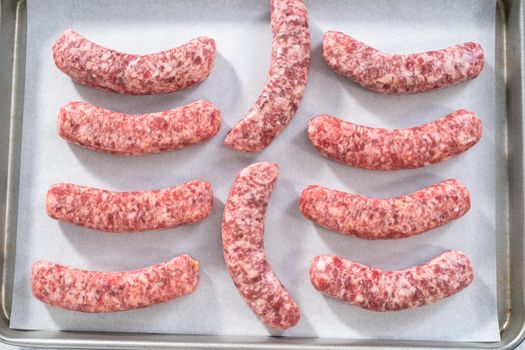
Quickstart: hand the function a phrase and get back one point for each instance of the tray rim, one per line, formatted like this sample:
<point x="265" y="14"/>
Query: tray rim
<point x="13" y="32"/>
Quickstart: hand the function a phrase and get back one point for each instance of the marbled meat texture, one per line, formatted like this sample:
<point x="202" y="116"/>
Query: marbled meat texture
<point x="381" y="149"/>
<point x="399" y="217"/>
<point x="378" y="290"/>
<point x="401" y="74"/>
<point x="290" y="63"/>
<point x="99" y="129"/>
<point x="93" y="291"/>
<point x="102" y="68"/>
<point x="243" y="245"/>
<point x="130" y="211"/>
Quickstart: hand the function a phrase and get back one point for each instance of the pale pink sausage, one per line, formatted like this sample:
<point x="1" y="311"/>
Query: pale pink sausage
<point x="401" y="74"/>
<point x="378" y="290"/>
<point x="290" y="63"/>
<point x="103" y="130"/>
<point x="102" y="68"/>
<point x="373" y="218"/>
<point x="243" y="246"/>
<point x="94" y="291"/>
<point x="130" y="211"/>
<point x="381" y="149"/>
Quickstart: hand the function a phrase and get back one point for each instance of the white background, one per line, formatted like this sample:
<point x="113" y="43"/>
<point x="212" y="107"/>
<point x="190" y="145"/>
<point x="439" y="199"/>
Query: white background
<point x="241" y="29"/>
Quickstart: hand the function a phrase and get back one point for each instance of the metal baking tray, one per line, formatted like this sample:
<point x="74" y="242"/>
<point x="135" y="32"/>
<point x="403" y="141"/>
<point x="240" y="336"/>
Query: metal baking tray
<point x="509" y="245"/>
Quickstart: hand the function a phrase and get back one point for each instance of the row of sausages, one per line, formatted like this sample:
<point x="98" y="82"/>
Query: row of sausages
<point x="243" y="219"/>
<point x="243" y="246"/>
<point x="356" y="145"/>
<point x="168" y="71"/>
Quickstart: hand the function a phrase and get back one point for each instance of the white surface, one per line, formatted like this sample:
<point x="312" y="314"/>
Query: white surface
<point x="241" y="29"/>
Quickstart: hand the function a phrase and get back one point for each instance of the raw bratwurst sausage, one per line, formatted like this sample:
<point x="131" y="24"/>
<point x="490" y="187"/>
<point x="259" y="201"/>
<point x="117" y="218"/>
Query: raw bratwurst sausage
<point x="130" y="211"/>
<point x="286" y="83"/>
<point x="401" y="74"/>
<point x="382" y="149"/>
<point x="99" y="129"/>
<point x="102" y="68"/>
<point x="379" y="290"/>
<point x="243" y="246"/>
<point x="93" y="291"/>
<point x="399" y="217"/>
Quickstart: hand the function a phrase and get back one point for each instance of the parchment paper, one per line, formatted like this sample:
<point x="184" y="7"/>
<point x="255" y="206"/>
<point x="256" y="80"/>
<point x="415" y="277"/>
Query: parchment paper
<point x="241" y="29"/>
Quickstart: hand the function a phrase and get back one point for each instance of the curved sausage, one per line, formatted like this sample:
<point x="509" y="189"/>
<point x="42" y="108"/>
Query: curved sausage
<point x="401" y="74"/>
<point x="382" y="149"/>
<point x="379" y="290"/>
<point x="93" y="291"/>
<point x="399" y="217"/>
<point x="130" y="211"/>
<point x="99" y="129"/>
<point x="287" y="78"/>
<point x="243" y="246"/>
<point x="102" y="68"/>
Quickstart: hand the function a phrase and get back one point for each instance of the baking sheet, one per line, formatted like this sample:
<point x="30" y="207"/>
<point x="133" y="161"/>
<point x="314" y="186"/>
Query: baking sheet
<point x="241" y="29"/>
